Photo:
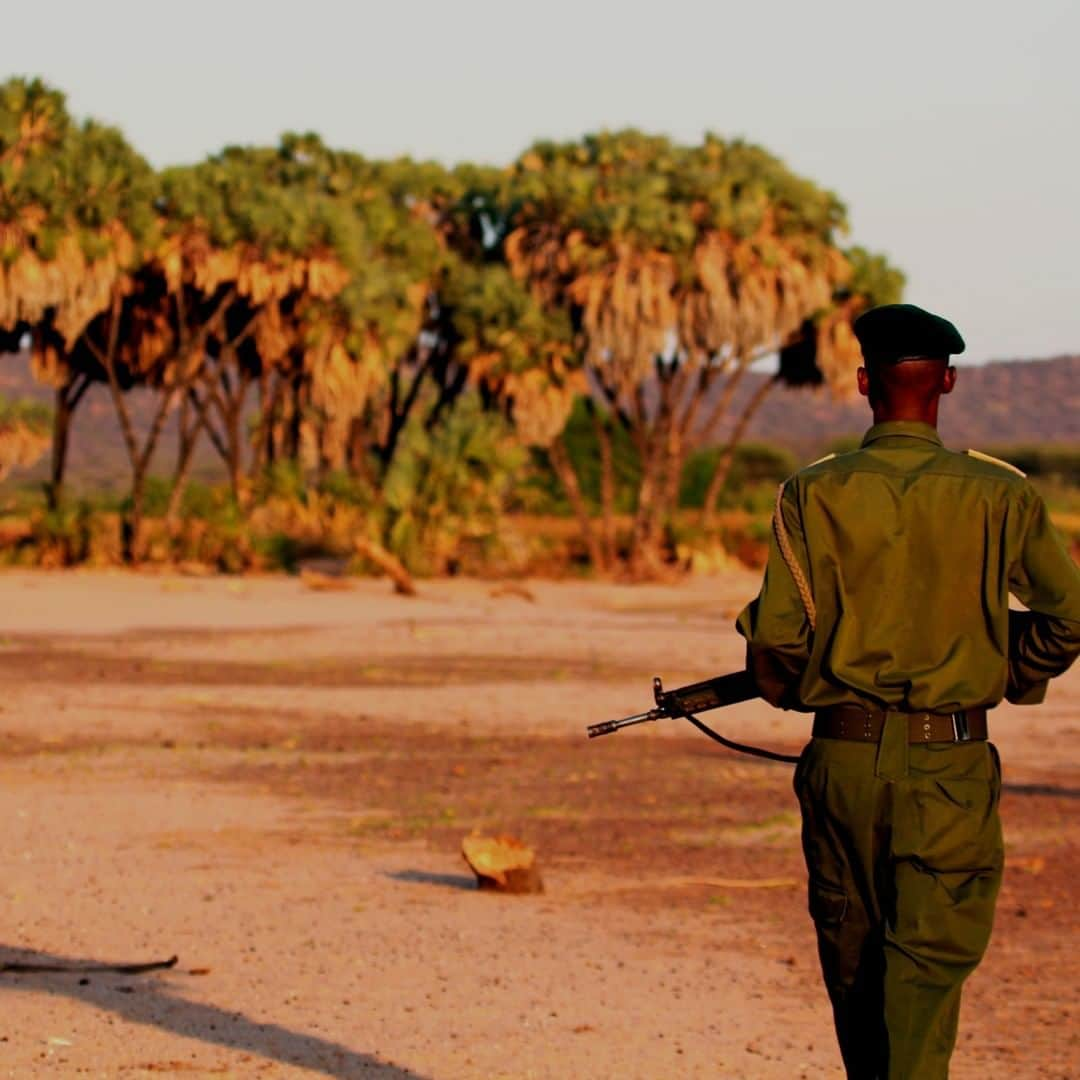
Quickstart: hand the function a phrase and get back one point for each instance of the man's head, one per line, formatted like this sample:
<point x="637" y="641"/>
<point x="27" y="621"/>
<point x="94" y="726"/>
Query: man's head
<point x="906" y="352"/>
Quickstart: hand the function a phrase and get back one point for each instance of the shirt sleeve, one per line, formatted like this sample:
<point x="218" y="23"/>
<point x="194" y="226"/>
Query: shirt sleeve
<point x="775" y="624"/>
<point x="1045" y="639"/>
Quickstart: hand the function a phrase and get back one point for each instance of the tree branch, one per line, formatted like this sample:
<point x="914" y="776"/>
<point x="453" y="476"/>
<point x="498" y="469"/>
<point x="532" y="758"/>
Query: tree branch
<point x="156" y="428"/>
<point x="207" y="426"/>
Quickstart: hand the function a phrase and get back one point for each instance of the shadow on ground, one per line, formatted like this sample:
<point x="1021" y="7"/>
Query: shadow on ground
<point x="148" y="1000"/>
<point x="424" y="877"/>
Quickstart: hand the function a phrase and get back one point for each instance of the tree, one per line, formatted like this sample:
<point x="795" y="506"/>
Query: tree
<point x="76" y="205"/>
<point x="678" y="267"/>
<point x="360" y="300"/>
<point x="429" y="309"/>
<point x="350" y="365"/>
<point x="827" y="339"/>
<point x="241" y="261"/>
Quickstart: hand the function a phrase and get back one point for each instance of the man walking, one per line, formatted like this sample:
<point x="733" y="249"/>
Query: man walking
<point x="884" y="611"/>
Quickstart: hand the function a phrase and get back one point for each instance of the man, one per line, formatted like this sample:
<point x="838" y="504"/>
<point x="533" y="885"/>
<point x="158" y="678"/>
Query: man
<point x="884" y="610"/>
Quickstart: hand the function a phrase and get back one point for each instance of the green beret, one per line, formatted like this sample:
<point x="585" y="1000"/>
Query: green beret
<point x="895" y="332"/>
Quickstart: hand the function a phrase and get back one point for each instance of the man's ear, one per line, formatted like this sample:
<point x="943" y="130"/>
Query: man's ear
<point x="863" y="378"/>
<point x="948" y="380"/>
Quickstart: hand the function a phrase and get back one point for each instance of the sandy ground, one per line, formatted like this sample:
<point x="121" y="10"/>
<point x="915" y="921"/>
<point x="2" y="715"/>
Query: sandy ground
<point x="273" y="784"/>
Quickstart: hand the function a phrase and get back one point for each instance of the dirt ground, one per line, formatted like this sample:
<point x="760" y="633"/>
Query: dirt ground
<point x="273" y="784"/>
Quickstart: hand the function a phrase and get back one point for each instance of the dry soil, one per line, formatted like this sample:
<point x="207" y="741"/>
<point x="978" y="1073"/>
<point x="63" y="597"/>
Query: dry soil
<point x="273" y="784"/>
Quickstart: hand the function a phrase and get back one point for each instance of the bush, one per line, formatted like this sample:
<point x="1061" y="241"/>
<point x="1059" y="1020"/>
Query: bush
<point x="23" y="411"/>
<point x="447" y="489"/>
<point x="755" y="466"/>
<point x="1056" y="464"/>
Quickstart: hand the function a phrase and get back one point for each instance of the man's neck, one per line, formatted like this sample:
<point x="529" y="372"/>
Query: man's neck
<point x="918" y="415"/>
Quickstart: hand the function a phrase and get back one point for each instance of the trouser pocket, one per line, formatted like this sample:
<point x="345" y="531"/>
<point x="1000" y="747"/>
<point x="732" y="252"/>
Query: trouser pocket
<point x="828" y="904"/>
<point x="842" y="931"/>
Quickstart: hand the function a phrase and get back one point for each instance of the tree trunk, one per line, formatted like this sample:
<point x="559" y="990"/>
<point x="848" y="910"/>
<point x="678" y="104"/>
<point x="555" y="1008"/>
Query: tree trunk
<point x="260" y="443"/>
<point x="236" y="450"/>
<point x="140" y="467"/>
<point x="189" y="437"/>
<point x="61" y="433"/>
<point x="564" y="469"/>
<point x="324" y="443"/>
<point x="68" y="397"/>
<point x="132" y="526"/>
<point x="356" y="452"/>
<point x="674" y="459"/>
<point x="727" y="455"/>
<point x="656" y="445"/>
<point x="607" y="489"/>
<point x="643" y="558"/>
<point x="665" y="502"/>
<point x="296" y="421"/>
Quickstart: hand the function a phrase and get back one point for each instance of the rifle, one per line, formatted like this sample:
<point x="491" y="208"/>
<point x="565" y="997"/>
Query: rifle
<point x="685" y="701"/>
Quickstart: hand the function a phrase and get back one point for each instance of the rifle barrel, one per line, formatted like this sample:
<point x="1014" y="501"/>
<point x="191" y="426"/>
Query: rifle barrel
<point x="608" y="726"/>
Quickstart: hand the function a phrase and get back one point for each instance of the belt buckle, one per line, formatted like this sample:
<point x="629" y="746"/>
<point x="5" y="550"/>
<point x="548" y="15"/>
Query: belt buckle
<point x="961" y="732"/>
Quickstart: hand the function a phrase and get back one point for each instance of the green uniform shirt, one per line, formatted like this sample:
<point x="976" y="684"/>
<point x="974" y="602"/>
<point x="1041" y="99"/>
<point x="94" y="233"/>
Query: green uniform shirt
<point x="911" y="552"/>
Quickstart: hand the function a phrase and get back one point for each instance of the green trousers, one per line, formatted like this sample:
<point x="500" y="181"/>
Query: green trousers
<point x="903" y="845"/>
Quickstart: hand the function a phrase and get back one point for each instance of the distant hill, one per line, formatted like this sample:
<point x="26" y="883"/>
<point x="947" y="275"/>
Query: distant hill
<point x="997" y="404"/>
<point x="1002" y="403"/>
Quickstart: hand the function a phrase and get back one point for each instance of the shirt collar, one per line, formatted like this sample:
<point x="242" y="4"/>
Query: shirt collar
<point x="908" y="429"/>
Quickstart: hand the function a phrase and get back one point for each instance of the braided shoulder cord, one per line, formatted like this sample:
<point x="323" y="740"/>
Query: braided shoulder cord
<point x="784" y="541"/>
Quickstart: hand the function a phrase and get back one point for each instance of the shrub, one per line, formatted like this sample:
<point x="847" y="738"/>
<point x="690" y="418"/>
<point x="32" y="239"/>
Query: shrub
<point x="755" y="466"/>
<point x="446" y="490"/>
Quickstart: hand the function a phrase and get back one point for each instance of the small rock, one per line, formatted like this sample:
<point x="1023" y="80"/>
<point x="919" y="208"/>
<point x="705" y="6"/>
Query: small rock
<point x="502" y="864"/>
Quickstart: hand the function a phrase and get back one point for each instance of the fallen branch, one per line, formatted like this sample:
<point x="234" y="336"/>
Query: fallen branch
<point x="32" y="967"/>
<point x="387" y="563"/>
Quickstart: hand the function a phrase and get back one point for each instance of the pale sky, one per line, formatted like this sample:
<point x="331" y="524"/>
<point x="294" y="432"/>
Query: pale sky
<point x="951" y="129"/>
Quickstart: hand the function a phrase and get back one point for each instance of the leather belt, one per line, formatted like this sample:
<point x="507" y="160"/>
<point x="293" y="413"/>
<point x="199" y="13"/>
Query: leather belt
<point x="864" y="723"/>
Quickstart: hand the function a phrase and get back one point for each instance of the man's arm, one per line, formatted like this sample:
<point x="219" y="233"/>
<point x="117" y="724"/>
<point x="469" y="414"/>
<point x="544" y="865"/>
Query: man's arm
<point x="776" y="625"/>
<point x="1045" y="639"/>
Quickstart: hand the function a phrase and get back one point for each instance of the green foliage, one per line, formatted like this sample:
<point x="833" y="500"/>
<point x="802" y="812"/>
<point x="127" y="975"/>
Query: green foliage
<point x="873" y="278"/>
<point x="78" y="178"/>
<point x="583" y="446"/>
<point x="339" y="284"/>
<point x="756" y="466"/>
<point x="66" y="534"/>
<point x="752" y="483"/>
<point x="32" y="415"/>
<point x="1056" y="464"/>
<point x="495" y="315"/>
<point x="659" y="195"/>
<point x="447" y="489"/>
<point x="281" y="551"/>
<point x="283" y="480"/>
<point x="755" y="472"/>
<point x="233" y="197"/>
<point x="208" y="502"/>
<point x="347" y="490"/>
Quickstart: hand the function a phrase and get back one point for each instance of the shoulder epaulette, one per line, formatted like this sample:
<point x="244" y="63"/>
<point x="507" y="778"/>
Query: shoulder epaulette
<point x="995" y="461"/>
<point x="820" y="460"/>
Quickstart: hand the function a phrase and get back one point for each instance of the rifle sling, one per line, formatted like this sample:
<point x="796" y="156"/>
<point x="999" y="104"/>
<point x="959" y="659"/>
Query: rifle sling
<point x="742" y="748"/>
